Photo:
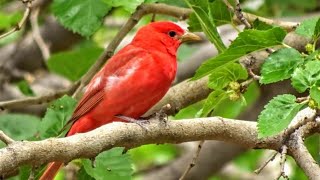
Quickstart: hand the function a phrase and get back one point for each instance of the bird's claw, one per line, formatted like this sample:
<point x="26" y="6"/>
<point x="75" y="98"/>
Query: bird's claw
<point x="140" y="122"/>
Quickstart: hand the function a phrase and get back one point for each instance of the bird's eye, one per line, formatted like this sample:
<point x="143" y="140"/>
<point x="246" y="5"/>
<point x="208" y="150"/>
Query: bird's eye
<point x="172" y="33"/>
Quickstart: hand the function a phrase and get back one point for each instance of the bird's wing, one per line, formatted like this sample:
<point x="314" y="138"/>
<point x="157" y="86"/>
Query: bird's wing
<point x="95" y="92"/>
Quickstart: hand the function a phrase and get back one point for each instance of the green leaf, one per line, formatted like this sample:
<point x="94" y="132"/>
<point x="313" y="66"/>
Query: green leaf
<point x="111" y="165"/>
<point x="84" y="17"/>
<point x="222" y="76"/>
<point x="9" y="20"/>
<point x="280" y="65"/>
<point x="73" y="64"/>
<point x="204" y="16"/>
<point x="57" y="115"/>
<point x="19" y="126"/>
<point x="316" y="33"/>
<point x="25" y="88"/>
<point x="194" y="24"/>
<point x="83" y="175"/>
<point x="259" y="25"/>
<point x="307" y="27"/>
<point x="231" y="109"/>
<point x="277" y="115"/>
<point x="219" y="12"/>
<point x="190" y="111"/>
<point x="161" y="155"/>
<point x="315" y="94"/>
<point x="304" y="78"/>
<point x="212" y="101"/>
<point x="128" y="5"/>
<point x="248" y="41"/>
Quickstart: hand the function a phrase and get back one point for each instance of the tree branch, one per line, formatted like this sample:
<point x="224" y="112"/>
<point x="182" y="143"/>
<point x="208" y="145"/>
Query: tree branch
<point x="22" y="21"/>
<point x="301" y="154"/>
<point x="6" y="139"/>
<point x="131" y="135"/>
<point x="37" y="100"/>
<point x="43" y="46"/>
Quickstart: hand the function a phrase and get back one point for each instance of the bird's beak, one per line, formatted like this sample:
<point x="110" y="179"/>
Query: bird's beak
<point x="188" y="36"/>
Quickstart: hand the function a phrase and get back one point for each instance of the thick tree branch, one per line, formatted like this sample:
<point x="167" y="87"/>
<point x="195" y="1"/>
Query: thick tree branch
<point x="131" y="135"/>
<point x="301" y="154"/>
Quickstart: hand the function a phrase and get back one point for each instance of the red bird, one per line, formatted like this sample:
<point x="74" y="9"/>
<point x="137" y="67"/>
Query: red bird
<point x="131" y="82"/>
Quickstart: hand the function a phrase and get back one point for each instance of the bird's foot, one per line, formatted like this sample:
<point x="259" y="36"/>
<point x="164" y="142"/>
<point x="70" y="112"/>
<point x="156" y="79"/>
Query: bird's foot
<point x="162" y="116"/>
<point x="141" y="122"/>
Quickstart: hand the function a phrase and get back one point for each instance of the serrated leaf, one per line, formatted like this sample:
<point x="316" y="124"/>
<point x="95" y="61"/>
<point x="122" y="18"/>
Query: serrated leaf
<point x="280" y="65"/>
<point x="73" y="64"/>
<point x="219" y="12"/>
<point x="128" y="5"/>
<point x="25" y="88"/>
<point x="313" y="56"/>
<point x="277" y="115"/>
<point x="212" y="101"/>
<point x="248" y="41"/>
<point x="304" y="78"/>
<point x="57" y="115"/>
<point x="84" y="17"/>
<point x="307" y="27"/>
<point x="316" y="32"/>
<point x="202" y="11"/>
<point x="194" y="24"/>
<point x="111" y="165"/>
<point x="222" y="76"/>
<point x="315" y="94"/>
<point x="231" y="109"/>
<point x="19" y="126"/>
<point x="259" y="25"/>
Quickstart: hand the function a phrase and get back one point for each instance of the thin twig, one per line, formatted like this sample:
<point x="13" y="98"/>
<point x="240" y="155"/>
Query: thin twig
<point x="302" y="99"/>
<point x="22" y="21"/>
<point x="43" y="46"/>
<point x="193" y="161"/>
<point x="253" y="75"/>
<point x="238" y="13"/>
<point x="226" y="2"/>
<point x="271" y="158"/>
<point x="244" y="85"/>
<point x="283" y="154"/>
<point x="6" y="139"/>
<point x="37" y="100"/>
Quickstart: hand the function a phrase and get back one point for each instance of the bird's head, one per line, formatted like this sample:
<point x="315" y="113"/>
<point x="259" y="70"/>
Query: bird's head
<point x="163" y="36"/>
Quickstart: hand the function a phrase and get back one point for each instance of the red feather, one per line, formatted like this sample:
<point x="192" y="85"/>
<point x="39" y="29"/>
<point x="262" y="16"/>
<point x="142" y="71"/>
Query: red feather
<point x="130" y="83"/>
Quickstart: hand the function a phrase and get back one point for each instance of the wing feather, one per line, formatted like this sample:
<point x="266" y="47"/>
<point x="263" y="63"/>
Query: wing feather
<point x="96" y="93"/>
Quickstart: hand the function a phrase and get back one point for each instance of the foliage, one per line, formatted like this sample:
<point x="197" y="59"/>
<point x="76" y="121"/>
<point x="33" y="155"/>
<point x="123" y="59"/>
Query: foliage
<point x="25" y="88"/>
<point x="14" y="126"/>
<point x="206" y="18"/>
<point x="73" y="64"/>
<point x="247" y="41"/>
<point x="277" y="115"/>
<point x="57" y="115"/>
<point x="226" y="76"/>
<point x="112" y="164"/>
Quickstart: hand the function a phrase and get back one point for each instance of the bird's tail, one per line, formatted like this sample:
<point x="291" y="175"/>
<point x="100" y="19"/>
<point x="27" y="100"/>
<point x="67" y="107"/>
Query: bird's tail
<point x="51" y="171"/>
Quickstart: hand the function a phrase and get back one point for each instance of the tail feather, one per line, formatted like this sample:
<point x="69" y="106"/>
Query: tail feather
<point x="51" y="171"/>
